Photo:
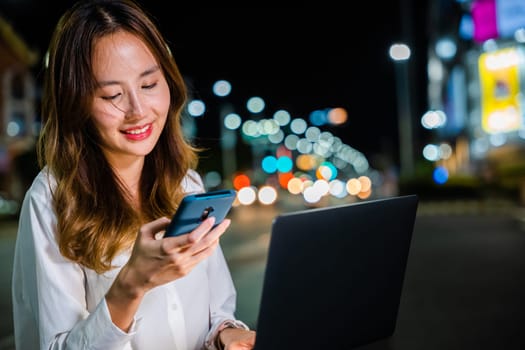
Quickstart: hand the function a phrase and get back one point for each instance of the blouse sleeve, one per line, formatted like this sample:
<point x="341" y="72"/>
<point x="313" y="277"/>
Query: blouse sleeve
<point x="223" y="298"/>
<point x="49" y="302"/>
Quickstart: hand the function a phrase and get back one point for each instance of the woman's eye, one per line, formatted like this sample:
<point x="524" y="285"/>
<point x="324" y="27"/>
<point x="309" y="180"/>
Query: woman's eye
<point x="149" y="86"/>
<point x="112" y="97"/>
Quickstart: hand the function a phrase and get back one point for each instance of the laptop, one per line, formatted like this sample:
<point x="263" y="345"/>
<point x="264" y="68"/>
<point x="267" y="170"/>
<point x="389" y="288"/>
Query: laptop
<point x="334" y="275"/>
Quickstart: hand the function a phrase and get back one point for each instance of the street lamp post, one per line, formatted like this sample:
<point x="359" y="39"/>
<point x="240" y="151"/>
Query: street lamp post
<point x="228" y="143"/>
<point x="400" y="53"/>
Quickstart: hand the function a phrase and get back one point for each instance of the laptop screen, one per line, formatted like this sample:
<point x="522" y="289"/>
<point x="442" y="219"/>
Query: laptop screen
<point x="334" y="275"/>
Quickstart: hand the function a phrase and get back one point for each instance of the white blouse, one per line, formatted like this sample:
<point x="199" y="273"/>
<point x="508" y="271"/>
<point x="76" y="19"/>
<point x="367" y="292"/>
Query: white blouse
<point x="59" y="304"/>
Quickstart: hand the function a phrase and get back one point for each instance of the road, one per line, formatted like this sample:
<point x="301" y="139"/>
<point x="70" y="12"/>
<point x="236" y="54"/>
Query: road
<point x="464" y="285"/>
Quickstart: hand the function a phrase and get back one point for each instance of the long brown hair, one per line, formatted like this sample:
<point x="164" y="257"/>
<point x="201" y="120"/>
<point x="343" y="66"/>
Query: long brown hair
<point x="95" y="221"/>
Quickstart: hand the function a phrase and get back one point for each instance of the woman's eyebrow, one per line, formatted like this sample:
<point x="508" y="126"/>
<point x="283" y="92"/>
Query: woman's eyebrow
<point x="147" y="72"/>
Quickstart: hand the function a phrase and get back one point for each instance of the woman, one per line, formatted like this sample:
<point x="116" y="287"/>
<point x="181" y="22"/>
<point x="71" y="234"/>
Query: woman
<point x="91" y="268"/>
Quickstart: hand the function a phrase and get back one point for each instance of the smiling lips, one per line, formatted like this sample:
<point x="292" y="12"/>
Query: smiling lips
<point x="138" y="133"/>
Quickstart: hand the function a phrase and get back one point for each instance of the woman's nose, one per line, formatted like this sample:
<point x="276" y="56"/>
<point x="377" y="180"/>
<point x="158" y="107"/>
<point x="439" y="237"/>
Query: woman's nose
<point x="135" y="106"/>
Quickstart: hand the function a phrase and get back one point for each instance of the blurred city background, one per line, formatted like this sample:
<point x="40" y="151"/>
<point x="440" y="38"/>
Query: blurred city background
<point x="309" y="107"/>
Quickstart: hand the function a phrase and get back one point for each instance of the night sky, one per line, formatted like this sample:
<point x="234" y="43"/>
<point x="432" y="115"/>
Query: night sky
<point x="300" y="59"/>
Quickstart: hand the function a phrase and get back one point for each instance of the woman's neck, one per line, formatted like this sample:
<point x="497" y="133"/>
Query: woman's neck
<point x="129" y="174"/>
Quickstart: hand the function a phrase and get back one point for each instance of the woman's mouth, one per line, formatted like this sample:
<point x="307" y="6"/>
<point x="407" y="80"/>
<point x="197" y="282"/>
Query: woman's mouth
<point x="138" y="133"/>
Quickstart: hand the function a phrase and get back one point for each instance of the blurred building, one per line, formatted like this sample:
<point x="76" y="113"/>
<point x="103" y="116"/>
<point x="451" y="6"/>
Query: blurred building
<point x="476" y="102"/>
<point x="17" y="111"/>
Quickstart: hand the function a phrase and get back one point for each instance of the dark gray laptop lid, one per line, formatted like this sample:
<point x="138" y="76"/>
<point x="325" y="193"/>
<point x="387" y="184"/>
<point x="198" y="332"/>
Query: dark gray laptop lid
<point x="334" y="275"/>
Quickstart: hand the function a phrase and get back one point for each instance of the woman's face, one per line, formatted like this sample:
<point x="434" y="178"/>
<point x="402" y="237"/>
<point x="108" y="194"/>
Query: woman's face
<point x="131" y="103"/>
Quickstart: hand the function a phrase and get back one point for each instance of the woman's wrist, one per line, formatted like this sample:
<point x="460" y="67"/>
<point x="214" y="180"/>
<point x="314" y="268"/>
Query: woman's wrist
<point x="123" y="299"/>
<point x="219" y="344"/>
<point x="125" y="285"/>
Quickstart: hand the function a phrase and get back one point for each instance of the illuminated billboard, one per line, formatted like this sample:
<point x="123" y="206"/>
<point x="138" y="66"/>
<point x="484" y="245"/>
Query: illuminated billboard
<point x="501" y="105"/>
<point x="497" y="18"/>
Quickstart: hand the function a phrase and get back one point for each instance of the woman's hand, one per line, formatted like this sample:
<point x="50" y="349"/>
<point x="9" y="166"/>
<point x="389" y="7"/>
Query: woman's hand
<point x="156" y="261"/>
<point x="237" y="339"/>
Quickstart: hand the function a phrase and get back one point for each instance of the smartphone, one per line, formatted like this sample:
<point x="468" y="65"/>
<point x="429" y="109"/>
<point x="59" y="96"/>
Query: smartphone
<point x="195" y="208"/>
